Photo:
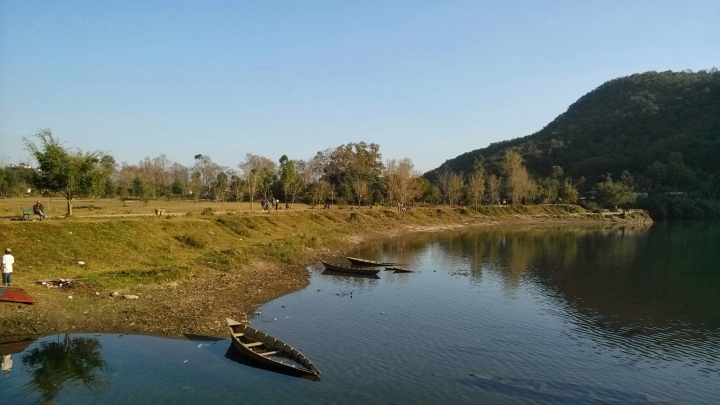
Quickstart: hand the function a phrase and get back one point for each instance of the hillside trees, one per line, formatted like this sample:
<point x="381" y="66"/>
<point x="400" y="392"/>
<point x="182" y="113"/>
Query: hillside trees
<point x="476" y="182"/>
<point x="664" y="127"/>
<point x="612" y="194"/>
<point x="519" y="185"/>
<point x="494" y="184"/>
<point x="451" y="186"/>
<point x="69" y="173"/>
<point x="400" y="181"/>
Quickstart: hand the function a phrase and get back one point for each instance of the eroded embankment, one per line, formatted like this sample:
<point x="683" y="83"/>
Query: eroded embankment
<point x="189" y="273"/>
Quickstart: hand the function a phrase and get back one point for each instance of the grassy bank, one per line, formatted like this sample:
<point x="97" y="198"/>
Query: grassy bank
<point x="191" y="271"/>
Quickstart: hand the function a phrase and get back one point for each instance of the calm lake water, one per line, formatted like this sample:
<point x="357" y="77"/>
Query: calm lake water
<point x="503" y="315"/>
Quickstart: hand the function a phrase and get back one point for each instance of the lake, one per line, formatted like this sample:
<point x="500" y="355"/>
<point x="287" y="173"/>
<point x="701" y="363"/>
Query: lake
<point x="507" y="315"/>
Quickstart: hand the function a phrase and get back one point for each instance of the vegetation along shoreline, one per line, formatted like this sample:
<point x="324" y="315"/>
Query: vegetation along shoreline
<point x="183" y="275"/>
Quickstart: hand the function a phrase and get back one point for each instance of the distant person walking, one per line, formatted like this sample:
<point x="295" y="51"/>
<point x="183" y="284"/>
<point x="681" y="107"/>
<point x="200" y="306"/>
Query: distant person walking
<point x="7" y="267"/>
<point x="39" y="209"/>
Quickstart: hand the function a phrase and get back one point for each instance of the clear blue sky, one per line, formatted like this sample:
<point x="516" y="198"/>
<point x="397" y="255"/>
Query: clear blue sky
<point x="424" y="80"/>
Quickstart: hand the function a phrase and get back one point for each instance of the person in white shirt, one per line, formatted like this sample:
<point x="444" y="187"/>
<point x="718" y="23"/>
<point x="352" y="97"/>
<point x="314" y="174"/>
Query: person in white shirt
<point x="7" y="267"/>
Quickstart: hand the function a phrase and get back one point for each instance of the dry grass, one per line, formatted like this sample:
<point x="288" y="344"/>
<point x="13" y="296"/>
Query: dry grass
<point x="10" y="208"/>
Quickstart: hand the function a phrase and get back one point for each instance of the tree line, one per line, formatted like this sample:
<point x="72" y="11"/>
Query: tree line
<point x="352" y="173"/>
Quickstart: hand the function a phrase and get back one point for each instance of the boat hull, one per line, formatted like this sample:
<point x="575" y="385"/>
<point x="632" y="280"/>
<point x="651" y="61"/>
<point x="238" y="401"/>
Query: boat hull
<point x="350" y="270"/>
<point x="365" y="262"/>
<point x="258" y="346"/>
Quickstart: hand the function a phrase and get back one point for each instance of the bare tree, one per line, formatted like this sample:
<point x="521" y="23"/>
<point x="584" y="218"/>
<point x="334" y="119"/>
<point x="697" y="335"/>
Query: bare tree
<point x="476" y="187"/>
<point x="361" y="189"/>
<point x="454" y="188"/>
<point x="451" y="185"/>
<point x="208" y="173"/>
<point x="519" y="185"/>
<point x="294" y="189"/>
<point x="493" y="189"/>
<point x="443" y="180"/>
<point x="401" y="180"/>
<point x="255" y="170"/>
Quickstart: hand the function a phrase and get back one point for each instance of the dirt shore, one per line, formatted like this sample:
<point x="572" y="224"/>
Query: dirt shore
<point x="198" y="303"/>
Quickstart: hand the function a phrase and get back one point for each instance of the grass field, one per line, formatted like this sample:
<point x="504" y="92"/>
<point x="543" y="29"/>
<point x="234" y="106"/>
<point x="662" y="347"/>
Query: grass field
<point x="11" y="208"/>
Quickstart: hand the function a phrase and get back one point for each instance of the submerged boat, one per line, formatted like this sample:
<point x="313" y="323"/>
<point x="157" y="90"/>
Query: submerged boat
<point x="365" y="262"/>
<point x="267" y="350"/>
<point x="350" y="270"/>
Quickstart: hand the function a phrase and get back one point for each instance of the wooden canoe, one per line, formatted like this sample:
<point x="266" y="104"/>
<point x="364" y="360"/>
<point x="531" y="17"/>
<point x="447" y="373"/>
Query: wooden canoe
<point x="365" y="262"/>
<point x="15" y="295"/>
<point x="267" y="350"/>
<point x="350" y="270"/>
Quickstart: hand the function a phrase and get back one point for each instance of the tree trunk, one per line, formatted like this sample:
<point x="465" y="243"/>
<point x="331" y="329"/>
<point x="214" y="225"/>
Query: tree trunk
<point x="69" y="207"/>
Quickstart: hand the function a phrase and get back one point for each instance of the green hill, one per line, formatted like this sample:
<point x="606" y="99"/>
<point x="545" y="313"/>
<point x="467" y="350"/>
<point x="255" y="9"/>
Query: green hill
<point x="663" y="127"/>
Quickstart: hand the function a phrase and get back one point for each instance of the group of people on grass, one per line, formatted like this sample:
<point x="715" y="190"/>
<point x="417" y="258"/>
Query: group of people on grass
<point x="265" y="204"/>
<point x="402" y="207"/>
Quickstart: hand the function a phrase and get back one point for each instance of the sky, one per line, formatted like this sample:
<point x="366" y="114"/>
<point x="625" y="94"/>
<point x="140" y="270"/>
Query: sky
<point x="425" y="80"/>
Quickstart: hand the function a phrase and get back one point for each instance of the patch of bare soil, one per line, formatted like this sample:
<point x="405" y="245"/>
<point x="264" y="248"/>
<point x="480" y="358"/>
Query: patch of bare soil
<point x="197" y="305"/>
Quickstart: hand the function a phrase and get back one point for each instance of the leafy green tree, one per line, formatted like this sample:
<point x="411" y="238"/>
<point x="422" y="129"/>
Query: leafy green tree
<point x="14" y="183"/>
<point x="221" y="184"/>
<point x="568" y="194"/>
<point x="613" y="194"/>
<point x="178" y="188"/>
<point x="196" y="186"/>
<point x="288" y="175"/>
<point x="141" y="191"/>
<point x="346" y="164"/>
<point x="71" y="174"/>
<point x="548" y="190"/>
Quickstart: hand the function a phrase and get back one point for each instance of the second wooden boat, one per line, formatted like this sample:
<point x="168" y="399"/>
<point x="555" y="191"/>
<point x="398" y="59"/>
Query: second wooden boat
<point x="365" y="262"/>
<point x="267" y="350"/>
<point x="350" y="270"/>
<point x="398" y="269"/>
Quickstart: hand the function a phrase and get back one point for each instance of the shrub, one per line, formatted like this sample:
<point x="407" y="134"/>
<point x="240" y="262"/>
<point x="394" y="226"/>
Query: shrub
<point x="235" y="226"/>
<point x="207" y="211"/>
<point x="193" y="240"/>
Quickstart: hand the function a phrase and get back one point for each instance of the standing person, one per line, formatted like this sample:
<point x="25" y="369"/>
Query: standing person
<point x="39" y="209"/>
<point x="7" y="267"/>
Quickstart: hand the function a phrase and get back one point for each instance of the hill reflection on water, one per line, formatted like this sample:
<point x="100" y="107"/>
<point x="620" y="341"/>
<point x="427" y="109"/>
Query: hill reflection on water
<point x="658" y="285"/>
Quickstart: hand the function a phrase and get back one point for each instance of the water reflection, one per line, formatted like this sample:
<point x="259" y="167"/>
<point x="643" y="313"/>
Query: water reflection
<point x="8" y="348"/>
<point x="621" y="287"/>
<point x="353" y="276"/>
<point x="55" y="366"/>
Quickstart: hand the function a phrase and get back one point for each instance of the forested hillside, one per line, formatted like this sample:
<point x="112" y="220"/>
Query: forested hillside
<point x="661" y="128"/>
